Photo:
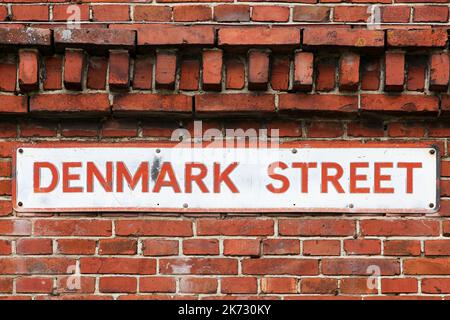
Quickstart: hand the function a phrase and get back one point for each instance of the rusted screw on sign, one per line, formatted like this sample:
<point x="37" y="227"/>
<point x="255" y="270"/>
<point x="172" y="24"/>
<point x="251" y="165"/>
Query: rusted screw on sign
<point x="350" y="205"/>
<point x="20" y="150"/>
<point x="432" y="151"/>
<point x="185" y="205"/>
<point x="294" y="150"/>
<point x="158" y="150"/>
<point x="20" y="204"/>
<point x="431" y="205"/>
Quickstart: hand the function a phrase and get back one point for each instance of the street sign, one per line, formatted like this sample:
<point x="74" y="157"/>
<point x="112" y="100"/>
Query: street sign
<point x="163" y="178"/>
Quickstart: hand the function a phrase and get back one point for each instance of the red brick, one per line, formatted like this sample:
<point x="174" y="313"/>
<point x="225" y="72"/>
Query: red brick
<point x="76" y="246"/>
<point x="326" y="103"/>
<point x="316" y="227"/>
<point x="5" y="247"/>
<point x="152" y="13"/>
<point x="118" y="265"/>
<point x="16" y="227"/>
<point x="28" y="70"/>
<point x="8" y="70"/>
<point x="326" y="74"/>
<point x="399" y="14"/>
<point x="405" y="285"/>
<point x="239" y="285"/>
<point x="280" y="266"/>
<point x="395" y="71"/>
<point x="178" y="228"/>
<point x="235" y="74"/>
<point x="259" y="36"/>
<point x="446" y="228"/>
<point x="270" y="14"/>
<point x="235" y="227"/>
<point x="5" y="169"/>
<point x="96" y="76"/>
<point x="111" y="13"/>
<point x="160" y="35"/>
<point x="192" y="13"/>
<point x="399" y="103"/>
<point x="118" y="284"/>
<point x="281" y="246"/>
<point x="157" y="284"/>
<point x="370" y="74"/>
<point x="166" y="65"/>
<point x="64" y="12"/>
<point x="212" y="69"/>
<point x="152" y="103"/>
<point x="6" y="285"/>
<point x="399" y="227"/>
<point x="34" y="285"/>
<point x="198" y="285"/>
<point x="330" y="36"/>
<point x="30" y="12"/>
<point x="74" y="62"/>
<point x="258" y="69"/>
<point x="416" y="73"/>
<point x="242" y="247"/>
<point x="424" y="266"/>
<point x="234" y="103"/>
<point x="402" y="248"/>
<point x="232" y="13"/>
<point x="436" y="285"/>
<point x="34" y="246"/>
<point x="417" y="38"/>
<point x="120" y="128"/>
<point x="365" y="128"/>
<point x="8" y="129"/>
<point x="53" y="73"/>
<point x="40" y="128"/>
<point x="406" y="129"/>
<point x="278" y="285"/>
<point x="201" y="247"/>
<point x="200" y="266"/>
<point x="143" y="72"/>
<point x="349" y="71"/>
<point x="79" y="128"/>
<point x="89" y="103"/>
<point x="21" y="37"/>
<point x="72" y="227"/>
<point x="5" y="208"/>
<point x="355" y="285"/>
<point x="437" y="247"/>
<point x="159" y="247"/>
<point x="96" y="40"/>
<point x="351" y="14"/>
<point x="189" y="75"/>
<point x="279" y="78"/>
<point x="362" y="247"/>
<point x="68" y="284"/>
<point x="33" y="265"/>
<point x="311" y="14"/>
<point x="324" y="129"/>
<point x="430" y="14"/>
<point x="319" y="285"/>
<point x="5" y="187"/>
<point x="303" y="71"/>
<point x="117" y="246"/>
<point x="321" y="247"/>
<point x="359" y="266"/>
<point x="119" y="70"/>
<point x="439" y="72"/>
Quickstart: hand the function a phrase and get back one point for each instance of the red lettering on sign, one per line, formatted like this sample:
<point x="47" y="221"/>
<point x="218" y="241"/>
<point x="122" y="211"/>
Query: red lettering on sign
<point x="284" y="181"/>
<point x="68" y="177"/>
<point x="166" y="170"/>
<point x="92" y="171"/>
<point x="409" y="166"/>
<point x="132" y="181"/>
<point x="333" y="179"/>
<point x="37" y="177"/>
<point x="224" y="177"/>
<point x="189" y="177"/>
<point x="304" y="166"/>
<point x="355" y="177"/>
<point x="378" y="177"/>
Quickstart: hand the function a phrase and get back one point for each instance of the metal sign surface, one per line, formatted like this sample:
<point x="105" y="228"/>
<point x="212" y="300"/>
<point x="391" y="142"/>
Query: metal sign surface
<point x="161" y="178"/>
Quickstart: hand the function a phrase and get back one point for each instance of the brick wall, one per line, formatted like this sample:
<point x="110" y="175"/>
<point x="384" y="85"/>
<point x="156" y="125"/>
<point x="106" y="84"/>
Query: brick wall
<point x="335" y="71"/>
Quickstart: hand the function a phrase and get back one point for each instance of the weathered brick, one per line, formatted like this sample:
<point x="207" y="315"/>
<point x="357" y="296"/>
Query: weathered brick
<point x="88" y="104"/>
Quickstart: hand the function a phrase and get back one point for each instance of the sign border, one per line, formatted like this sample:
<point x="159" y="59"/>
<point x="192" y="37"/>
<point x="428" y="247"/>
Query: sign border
<point x="172" y="144"/>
